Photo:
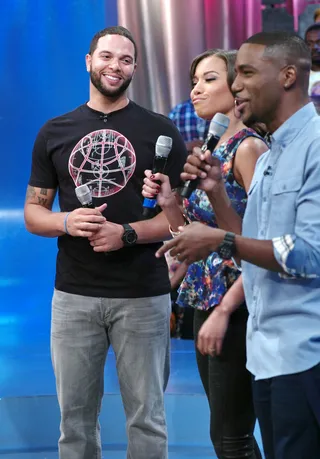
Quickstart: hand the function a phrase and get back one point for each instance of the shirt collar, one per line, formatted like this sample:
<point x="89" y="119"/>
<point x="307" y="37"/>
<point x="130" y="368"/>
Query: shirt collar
<point x="293" y="125"/>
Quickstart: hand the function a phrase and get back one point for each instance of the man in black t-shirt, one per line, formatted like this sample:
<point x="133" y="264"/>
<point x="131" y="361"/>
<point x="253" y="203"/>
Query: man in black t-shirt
<point x="109" y="288"/>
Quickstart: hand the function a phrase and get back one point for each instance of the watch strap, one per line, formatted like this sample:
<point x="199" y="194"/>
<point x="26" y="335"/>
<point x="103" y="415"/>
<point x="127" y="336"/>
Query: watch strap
<point x="127" y="227"/>
<point x="227" y="247"/>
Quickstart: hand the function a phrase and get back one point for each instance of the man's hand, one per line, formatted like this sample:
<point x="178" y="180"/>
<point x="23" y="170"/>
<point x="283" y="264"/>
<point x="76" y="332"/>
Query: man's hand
<point x="212" y="332"/>
<point x="108" y="238"/>
<point x="85" y="222"/>
<point x="207" y="167"/>
<point x="195" y="242"/>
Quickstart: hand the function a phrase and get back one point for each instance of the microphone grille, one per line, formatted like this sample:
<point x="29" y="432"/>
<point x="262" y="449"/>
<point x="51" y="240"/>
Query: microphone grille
<point x="163" y="146"/>
<point x="219" y="124"/>
<point x="84" y="194"/>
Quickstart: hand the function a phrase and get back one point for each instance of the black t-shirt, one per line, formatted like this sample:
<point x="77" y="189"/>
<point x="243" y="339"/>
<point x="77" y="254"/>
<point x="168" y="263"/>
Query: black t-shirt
<point x="109" y="152"/>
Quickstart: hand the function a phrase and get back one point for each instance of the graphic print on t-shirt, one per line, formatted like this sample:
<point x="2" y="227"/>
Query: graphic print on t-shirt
<point x="104" y="160"/>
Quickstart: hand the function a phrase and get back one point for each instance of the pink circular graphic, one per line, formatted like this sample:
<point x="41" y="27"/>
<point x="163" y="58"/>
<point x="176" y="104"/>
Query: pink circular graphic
<point x="105" y="160"/>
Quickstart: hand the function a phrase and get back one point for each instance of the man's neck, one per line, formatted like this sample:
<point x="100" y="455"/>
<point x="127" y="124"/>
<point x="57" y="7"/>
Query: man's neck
<point x="285" y="112"/>
<point x="105" y="104"/>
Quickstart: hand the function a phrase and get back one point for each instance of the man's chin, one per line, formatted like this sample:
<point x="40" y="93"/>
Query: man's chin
<point x="113" y="93"/>
<point x="109" y="92"/>
<point x="248" y="119"/>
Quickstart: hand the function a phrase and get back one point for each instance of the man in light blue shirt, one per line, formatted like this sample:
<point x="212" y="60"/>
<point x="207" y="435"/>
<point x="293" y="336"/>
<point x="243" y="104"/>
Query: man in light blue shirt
<point x="280" y="246"/>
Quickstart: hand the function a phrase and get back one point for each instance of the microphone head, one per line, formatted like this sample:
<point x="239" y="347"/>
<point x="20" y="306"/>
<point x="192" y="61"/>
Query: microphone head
<point x="84" y="194"/>
<point x="163" y="146"/>
<point x="219" y="124"/>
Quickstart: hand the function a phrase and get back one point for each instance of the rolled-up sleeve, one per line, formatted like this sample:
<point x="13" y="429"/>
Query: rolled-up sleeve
<point x="299" y="254"/>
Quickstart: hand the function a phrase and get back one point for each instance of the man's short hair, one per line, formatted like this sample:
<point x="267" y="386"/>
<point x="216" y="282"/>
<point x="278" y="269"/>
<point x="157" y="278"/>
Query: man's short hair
<point x="115" y="30"/>
<point x="286" y="46"/>
<point x="313" y="27"/>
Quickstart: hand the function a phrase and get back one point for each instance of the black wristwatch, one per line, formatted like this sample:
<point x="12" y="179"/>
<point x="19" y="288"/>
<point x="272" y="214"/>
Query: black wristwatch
<point x="129" y="237"/>
<point x="227" y="248"/>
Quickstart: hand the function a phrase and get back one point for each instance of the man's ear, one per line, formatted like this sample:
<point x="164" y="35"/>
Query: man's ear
<point x="134" y="70"/>
<point x="289" y="76"/>
<point x="88" y="62"/>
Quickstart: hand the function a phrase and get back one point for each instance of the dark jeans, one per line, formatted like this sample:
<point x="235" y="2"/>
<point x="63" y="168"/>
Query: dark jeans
<point x="288" y="409"/>
<point x="228" y="387"/>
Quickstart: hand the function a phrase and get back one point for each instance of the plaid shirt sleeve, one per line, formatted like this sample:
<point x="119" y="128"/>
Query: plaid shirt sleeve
<point x="298" y="250"/>
<point x="284" y="246"/>
<point x="191" y="127"/>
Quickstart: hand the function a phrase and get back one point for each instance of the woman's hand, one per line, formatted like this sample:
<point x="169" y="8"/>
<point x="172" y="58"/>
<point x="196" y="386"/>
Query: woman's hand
<point x="161" y="190"/>
<point x="212" y="333"/>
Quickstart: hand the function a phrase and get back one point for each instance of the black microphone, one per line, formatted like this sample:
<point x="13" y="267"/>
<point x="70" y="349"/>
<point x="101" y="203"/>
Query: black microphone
<point x="84" y="195"/>
<point x="218" y="126"/>
<point x="163" y="148"/>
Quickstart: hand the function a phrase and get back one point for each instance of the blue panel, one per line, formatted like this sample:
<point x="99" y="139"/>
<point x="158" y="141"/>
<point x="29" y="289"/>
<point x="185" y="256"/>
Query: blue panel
<point x="43" y="45"/>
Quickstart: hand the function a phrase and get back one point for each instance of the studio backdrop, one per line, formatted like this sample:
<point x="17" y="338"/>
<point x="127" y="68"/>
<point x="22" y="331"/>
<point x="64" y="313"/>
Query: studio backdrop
<point x="170" y="33"/>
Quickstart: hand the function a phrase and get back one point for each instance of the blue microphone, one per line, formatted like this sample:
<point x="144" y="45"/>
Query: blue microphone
<point x="163" y="148"/>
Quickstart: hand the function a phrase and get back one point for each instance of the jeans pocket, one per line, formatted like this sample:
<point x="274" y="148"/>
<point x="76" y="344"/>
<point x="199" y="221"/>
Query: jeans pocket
<point x="59" y="310"/>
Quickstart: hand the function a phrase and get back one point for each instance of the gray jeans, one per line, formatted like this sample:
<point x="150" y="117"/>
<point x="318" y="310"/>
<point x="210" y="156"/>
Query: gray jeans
<point x="82" y="330"/>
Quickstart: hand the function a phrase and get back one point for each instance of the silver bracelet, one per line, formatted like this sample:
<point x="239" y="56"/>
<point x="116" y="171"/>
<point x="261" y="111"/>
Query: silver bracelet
<point x="236" y="265"/>
<point x="176" y="233"/>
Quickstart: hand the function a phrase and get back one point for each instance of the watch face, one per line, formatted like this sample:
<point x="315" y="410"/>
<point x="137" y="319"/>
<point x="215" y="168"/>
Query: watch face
<point x="225" y="252"/>
<point x="131" y="237"/>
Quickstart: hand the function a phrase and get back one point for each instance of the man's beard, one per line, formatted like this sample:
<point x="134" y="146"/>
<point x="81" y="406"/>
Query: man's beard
<point x="111" y="93"/>
<point x="250" y="121"/>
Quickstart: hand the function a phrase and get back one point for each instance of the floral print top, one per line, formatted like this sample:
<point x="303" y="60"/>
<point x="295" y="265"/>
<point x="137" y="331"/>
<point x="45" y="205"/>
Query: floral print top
<point x="207" y="281"/>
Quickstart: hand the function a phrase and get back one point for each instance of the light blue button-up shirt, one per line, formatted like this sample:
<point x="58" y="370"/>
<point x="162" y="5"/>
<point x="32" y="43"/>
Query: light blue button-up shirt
<point x="283" y="334"/>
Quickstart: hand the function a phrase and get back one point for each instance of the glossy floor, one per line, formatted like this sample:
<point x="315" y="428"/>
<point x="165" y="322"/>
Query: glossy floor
<point x="28" y="406"/>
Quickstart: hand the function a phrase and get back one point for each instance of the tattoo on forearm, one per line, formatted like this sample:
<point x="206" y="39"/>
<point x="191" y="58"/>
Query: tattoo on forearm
<point x="31" y="192"/>
<point x="44" y="191"/>
<point x="42" y="201"/>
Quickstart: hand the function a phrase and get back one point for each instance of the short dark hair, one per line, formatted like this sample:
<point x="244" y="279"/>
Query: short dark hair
<point x="229" y="57"/>
<point x="115" y="30"/>
<point x="288" y="48"/>
<point x="311" y="28"/>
